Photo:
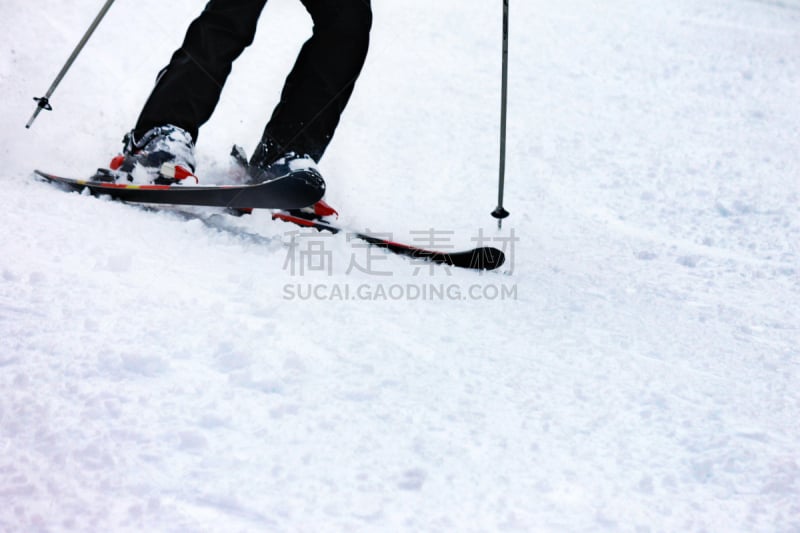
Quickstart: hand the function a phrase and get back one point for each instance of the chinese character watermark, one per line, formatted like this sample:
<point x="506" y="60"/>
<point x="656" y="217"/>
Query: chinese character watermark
<point x="313" y="253"/>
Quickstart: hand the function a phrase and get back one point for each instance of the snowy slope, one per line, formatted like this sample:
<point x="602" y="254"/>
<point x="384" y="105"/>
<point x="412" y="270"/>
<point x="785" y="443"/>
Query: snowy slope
<point x="159" y="371"/>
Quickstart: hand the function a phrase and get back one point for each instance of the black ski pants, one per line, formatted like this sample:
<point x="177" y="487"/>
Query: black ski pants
<point x="316" y="90"/>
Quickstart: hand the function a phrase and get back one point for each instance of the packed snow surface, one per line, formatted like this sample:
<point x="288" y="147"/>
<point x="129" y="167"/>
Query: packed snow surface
<point x="633" y="367"/>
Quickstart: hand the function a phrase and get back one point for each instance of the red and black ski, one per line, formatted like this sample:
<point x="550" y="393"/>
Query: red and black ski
<point x="480" y="258"/>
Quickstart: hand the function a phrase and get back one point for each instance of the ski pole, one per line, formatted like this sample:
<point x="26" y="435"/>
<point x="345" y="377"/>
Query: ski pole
<point x="43" y="102"/>
<point x="500" y="213"/>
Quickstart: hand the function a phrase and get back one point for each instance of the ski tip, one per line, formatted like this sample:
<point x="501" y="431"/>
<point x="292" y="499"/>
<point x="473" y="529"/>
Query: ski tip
<point x="44" y="176"/>
<point x="484" y="258"/>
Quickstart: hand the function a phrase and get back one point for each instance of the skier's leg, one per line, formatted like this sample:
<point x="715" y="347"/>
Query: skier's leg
<point x="188" y="89"/>
<point x="321" y="82"/>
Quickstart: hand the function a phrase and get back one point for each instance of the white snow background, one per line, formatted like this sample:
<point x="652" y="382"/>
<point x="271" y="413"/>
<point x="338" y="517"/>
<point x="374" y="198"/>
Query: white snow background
<point x="156" y="375"/>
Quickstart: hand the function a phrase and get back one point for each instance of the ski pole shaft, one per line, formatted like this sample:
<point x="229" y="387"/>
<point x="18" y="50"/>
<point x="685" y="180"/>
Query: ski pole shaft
<point x="43" y="102"/>
<point x="500" y="213"/>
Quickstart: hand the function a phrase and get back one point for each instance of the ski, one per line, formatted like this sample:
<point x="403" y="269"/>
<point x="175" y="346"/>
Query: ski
<point x="480" y="258"/>
<point x="292" y="191"/>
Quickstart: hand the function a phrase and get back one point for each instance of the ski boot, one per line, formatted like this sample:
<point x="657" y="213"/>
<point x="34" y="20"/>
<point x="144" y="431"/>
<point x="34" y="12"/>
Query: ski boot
<point x="269" y="162"/>
<point x="163" y="156"/>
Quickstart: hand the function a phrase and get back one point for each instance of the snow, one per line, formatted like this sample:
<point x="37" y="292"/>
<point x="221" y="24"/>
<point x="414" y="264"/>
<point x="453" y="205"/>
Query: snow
<point x="163" y="370"/>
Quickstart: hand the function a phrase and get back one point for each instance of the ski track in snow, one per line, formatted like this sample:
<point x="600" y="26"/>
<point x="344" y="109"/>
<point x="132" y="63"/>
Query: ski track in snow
<point x="155" y="376"/>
